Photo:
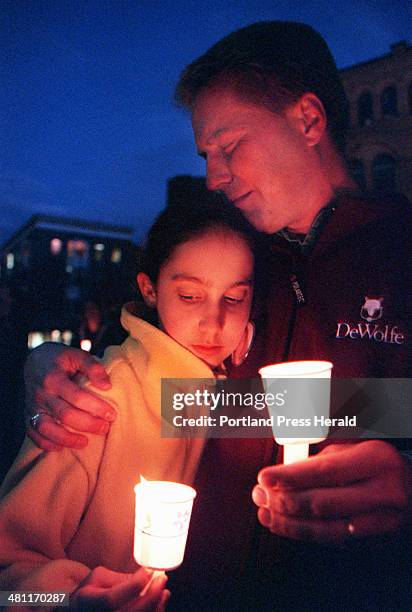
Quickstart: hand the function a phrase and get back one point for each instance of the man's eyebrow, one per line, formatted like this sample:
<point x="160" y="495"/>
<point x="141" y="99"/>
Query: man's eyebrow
<point x="246" y="284"/>
<point x="218" y="132"/>
<point x="243" y="283"/>
<point x="178" y="277"/>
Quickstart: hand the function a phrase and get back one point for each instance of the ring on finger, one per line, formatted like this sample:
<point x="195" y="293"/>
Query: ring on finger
<point x="34" y="420"/>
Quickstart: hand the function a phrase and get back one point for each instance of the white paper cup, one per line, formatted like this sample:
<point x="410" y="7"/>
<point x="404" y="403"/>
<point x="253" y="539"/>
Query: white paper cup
<point x="304" y="401"/>
<point x="162" y="517"/>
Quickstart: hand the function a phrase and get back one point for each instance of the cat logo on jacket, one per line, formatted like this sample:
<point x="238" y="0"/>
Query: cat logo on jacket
<point x="371" y="311"/>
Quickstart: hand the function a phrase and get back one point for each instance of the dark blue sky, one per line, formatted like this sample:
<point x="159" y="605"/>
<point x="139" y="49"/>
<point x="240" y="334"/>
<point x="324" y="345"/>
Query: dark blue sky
<point x="88" y="127"/>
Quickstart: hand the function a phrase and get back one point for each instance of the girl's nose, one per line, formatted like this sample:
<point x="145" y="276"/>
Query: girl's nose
<point x="212" y="319"/>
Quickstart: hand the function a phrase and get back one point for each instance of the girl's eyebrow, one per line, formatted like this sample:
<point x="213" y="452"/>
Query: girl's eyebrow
<point x="187" y="278"/>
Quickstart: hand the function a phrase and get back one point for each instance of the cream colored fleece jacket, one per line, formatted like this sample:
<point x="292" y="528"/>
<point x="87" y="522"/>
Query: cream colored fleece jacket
<point x="62" y="514"/>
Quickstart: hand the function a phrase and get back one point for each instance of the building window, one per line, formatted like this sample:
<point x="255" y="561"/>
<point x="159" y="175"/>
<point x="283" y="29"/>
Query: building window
<point x="67" y="337"/>
<point x="410" y="98"/>
<point x="98" y="251"/>
<point x="55" y="335"/>
<point x="365" y="108"/>
<point x="389" y="102"/>
<point x="35" y="338"/>
<point x="86" y="344"/>
<point x="357" y="170"/>
<point x="116" y="255"/>
<point x="384" y="173"/>
<point x="73" y="293"/>
<point x="77" y="254"/>
<point x="10" y="261"/>
<point x="55" y="246"/>
<point x="25" y="255"/>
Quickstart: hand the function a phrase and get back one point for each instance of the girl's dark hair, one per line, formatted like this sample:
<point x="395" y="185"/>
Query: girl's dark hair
<point x="177" y="224"/>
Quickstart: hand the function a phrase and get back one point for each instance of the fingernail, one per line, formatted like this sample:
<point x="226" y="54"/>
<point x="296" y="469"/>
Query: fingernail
<point x="259" y="496"/>
<point x="265" y="517"/>
<point x="110" y="416"/>
<point x="80" y="443"/>
<point x="103" y="429"/>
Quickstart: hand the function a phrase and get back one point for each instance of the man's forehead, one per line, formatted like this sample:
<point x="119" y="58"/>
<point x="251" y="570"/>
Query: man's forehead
<point x="217" y="111"/>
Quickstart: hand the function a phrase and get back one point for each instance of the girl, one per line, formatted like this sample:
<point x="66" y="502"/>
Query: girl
<point x="197" y="279"/>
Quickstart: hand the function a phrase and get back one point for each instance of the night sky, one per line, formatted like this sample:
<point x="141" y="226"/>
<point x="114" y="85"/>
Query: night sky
<point x="88" y="127"/>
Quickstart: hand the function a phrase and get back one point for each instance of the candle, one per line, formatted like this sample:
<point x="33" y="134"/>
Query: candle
<point x="162" y="519"/>
<point x="313" y="400"/>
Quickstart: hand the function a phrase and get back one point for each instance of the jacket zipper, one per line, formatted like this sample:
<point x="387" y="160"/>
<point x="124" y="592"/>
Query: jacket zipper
<point x="296" y="279"/>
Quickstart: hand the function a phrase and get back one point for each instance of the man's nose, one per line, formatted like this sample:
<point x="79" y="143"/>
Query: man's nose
<point x="218" y="173"/>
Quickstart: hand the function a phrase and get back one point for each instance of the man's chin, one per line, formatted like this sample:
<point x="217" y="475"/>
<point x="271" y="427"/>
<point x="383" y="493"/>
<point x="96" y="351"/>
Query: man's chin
<point x="264" y="226"/>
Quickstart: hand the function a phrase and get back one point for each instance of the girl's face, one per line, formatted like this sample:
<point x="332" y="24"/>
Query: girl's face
<point x="204" y="293"/>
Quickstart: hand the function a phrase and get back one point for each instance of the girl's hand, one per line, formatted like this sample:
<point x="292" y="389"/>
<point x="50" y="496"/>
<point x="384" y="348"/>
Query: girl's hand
<point x="104" y="590"/>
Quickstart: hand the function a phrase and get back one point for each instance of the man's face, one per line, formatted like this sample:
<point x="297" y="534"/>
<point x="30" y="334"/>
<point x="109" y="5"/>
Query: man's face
<point x="260" y="160"/>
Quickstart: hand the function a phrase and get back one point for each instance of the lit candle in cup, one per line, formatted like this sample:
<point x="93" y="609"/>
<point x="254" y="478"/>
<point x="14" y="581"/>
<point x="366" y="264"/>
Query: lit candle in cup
<point x="313" y="401"/>
<point x="162" y="517"/>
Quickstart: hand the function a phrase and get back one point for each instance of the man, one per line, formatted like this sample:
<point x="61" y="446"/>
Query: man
<point x="268" y="113"/>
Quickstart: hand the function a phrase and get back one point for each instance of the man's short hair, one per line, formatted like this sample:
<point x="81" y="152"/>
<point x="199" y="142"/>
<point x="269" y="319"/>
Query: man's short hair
<point x="272" y="63"/>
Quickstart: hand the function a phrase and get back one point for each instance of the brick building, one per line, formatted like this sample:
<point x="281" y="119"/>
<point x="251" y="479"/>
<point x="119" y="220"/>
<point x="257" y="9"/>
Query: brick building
<point x="379" y="143"/>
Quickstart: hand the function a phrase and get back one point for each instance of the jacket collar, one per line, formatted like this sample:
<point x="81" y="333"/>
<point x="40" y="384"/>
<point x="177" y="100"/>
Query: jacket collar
<point x="346" y="212"/>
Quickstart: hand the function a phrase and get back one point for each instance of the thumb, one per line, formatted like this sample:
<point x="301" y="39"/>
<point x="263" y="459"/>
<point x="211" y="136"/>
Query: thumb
<point x="130" y="588"/>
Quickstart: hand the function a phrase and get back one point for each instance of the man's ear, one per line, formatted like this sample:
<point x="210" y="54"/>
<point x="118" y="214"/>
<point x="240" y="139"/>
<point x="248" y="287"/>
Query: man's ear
<point x="310" y="117"/>
<point x="147" y="289"/>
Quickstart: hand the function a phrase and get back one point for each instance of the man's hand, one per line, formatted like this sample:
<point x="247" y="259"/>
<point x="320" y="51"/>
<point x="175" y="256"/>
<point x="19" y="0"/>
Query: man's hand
<point x="104" y="590"/>
<point x="50" y="390"/>
<point x="346" y="491"/>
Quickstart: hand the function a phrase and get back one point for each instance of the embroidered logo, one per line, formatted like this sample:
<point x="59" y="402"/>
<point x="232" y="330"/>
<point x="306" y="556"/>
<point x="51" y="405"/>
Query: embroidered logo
<point x="372" y="309"/>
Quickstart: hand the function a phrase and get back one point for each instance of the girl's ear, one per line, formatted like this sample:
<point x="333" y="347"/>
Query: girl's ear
<point x="147" y="289"/>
